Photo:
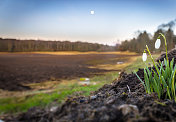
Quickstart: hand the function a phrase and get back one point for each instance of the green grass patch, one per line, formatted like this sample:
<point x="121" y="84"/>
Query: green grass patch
<point x="139" y="64"/>
<point x="22" y="104"/>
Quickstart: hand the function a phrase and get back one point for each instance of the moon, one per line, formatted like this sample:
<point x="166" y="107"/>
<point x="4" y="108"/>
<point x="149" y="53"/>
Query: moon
<point x="92" y="12"/>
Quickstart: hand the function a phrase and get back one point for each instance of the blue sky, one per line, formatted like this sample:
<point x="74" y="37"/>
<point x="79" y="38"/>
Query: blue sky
<point x="71" y="19"/>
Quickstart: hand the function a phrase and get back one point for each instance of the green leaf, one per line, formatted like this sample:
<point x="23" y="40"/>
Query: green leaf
<point x="165" y="62"/>
<point x="157" y="69"/>
<point x="150" y="78"/>
<point x="147" y="81"/>
<point x="173" y="85"/>
<point x="164" y="85"/>
<point x="164" y="82"/>
<point x="168" y="92"/>
<point x="171" y="76"/>
<point x="172" y="64"/>
<point x="160" y="74"/>
<point x="156" y="88"/>
<point x="160" y="62"/>
<point x="140" y="80"/>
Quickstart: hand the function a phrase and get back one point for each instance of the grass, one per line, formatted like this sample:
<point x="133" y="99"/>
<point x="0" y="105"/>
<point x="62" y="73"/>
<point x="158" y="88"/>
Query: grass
<point x="62" y="91"/>
<point x="18" y="104"/>
<point x="139" y="64"/>
<point x="13" y="105"/>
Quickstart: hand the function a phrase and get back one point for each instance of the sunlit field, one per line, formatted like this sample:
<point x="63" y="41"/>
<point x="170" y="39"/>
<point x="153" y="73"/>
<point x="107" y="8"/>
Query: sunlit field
<point x="74" y="53"/>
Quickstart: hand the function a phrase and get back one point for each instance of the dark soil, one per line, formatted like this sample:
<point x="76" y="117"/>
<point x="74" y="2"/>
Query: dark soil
<point x="105" y="105"/>
<point x="19" y="69"/>
<point x="171" y="55"/>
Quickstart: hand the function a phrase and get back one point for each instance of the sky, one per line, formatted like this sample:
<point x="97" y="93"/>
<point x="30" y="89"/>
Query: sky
<point x="113" y="20"/>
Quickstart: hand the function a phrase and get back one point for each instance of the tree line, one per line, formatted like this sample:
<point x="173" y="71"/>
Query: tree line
<point x="14" y="45"/>
<point x="138" y="44"/>
<point x="133" y="45"/>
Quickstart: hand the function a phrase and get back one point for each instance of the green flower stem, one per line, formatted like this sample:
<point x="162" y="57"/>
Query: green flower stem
<point x="152" y="59"/>
<point x="165" y="44"/>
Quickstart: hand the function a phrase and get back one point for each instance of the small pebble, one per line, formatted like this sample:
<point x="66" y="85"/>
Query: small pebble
<point x="110" y="101"/>
<point x="105" y="117"/>
<point x="53" y="109"/>
<point x="128" y="108"/>
<point x="81" y="101"/>
<point x="93" y="97"/>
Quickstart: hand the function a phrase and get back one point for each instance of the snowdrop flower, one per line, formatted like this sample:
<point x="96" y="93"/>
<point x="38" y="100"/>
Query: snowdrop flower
<point x="157" y="43"/>
<point x="144" y="56"/>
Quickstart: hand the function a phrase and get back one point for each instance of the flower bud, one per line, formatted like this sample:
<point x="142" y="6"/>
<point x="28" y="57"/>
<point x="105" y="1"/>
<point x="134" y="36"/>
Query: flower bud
<point x="144" y="56"/>
<point x="157" y="43"/>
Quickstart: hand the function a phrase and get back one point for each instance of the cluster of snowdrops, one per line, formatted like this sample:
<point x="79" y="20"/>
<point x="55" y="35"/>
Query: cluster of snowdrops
<point x="160" y="78"/>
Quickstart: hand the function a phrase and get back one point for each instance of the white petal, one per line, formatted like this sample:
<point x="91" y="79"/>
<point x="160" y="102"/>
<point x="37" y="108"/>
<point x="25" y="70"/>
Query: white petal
<point x="144" y="57"/>
<point x="157" y="43"/>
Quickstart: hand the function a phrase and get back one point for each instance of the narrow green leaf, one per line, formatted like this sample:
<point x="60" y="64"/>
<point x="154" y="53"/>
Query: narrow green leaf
<point x="172" y="64"/>
<point x="171" y="76"/>
<point x="165" y="62"/>
<point x="173" y="85"/>
<point x="150" y="78"/>
<point x="157" y="89"/>
<point x="160" y="74"/>
<point x="157" y="69"/>
<point x="147" y="81"/>
<point x="140" y="80"/>
<point x="164" y="82"/>
<point x="160" y="62"/>
<point x="168" y="92"/>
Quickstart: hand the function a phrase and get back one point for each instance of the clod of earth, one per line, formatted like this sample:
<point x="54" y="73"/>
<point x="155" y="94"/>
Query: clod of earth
<point x="93" y="97"/>
<point x="171" y="54"/>
<point x="54" y="108"/>
<point x="113" y="103"/>
<point x="128" y="108"/>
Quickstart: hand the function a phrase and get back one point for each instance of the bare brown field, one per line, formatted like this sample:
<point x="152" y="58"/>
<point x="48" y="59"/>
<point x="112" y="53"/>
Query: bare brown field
<point x="19" y="69"/>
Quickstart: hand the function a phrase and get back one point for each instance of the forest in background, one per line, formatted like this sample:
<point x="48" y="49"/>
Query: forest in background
<point x="14" y="45"/>
<point x="143" y="38"/>
<point x="138" y="44"/>
<point x="134" y="45"/>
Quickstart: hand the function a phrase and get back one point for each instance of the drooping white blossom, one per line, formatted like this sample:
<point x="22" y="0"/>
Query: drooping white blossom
<point x="144" y="56"/>
<point x="157" y="43"/>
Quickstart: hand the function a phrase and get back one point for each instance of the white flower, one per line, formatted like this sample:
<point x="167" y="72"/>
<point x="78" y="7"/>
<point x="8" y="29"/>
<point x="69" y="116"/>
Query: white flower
<point x="144" y="56"/>
<point x="157" y="43"/>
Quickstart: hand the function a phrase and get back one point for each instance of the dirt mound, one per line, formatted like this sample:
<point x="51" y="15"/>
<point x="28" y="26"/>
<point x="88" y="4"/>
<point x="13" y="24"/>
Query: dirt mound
<point x="171" y="55"/>
<point x="123" y="100"/>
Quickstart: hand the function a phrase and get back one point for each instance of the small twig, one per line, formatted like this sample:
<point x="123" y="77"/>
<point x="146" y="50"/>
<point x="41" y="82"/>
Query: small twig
<point x="129" y="89"/>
